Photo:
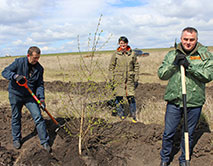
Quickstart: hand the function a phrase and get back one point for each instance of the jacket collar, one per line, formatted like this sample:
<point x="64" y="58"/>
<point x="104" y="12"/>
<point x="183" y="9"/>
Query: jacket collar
<point x="128" y="51"/>
<point x="180" y="49"/>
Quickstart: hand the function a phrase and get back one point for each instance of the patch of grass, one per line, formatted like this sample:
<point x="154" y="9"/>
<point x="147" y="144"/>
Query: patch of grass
<point x="4" y="97"/>
<point x="152" y="112"/>
<point x="67" y="68"/>
<point x="207" y="114"/>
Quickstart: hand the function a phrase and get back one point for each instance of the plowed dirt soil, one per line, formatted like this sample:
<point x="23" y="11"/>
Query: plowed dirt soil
<point x="116" y="144"/>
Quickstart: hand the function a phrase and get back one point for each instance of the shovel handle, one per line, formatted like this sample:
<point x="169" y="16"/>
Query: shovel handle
<point x="43" y="108"/>
<point x="24" y="84"/>
<point x="186" y="134"/>
<point x="183" y="79"/>
<point x="37" y="100"/>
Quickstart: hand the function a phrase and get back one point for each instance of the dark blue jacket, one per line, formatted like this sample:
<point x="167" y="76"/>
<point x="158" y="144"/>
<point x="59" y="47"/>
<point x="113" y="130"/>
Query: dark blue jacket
<point x="35" y="82"/>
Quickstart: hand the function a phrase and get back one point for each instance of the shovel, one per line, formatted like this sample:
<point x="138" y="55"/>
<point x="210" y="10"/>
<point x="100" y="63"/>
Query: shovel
<point x="61" y="129"/>
<point x="186" y="134"/>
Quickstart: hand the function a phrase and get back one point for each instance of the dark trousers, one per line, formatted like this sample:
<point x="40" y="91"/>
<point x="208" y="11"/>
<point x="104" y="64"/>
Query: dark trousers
<point x="16" y="106"/>
<point x="120" y="102"/>
<point x="172" y="119"/>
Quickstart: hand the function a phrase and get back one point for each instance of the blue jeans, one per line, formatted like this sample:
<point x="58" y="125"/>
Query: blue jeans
<point x="16" y="106"/>
<point x="172" y="119"/>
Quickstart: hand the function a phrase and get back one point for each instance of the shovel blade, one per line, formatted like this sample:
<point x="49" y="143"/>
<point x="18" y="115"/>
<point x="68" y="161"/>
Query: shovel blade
<point x="62" y="132"/>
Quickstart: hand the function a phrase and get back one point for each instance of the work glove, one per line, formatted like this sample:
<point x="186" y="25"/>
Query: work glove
<point x="43" y="103"/>
<point x="19" y="78"/>
<point x="136" y="84"/>
<point x="180" y="59"/>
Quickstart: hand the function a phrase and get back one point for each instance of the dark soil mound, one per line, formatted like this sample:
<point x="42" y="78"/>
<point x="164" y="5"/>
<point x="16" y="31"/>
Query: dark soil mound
<point x="109" y="144"/>
<point x="150" y="91"/>
<point x="121" y="143"/>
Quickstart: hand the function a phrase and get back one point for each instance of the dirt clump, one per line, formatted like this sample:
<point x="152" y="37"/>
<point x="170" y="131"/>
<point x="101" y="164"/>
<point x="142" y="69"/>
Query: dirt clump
<point x="121" y="143"/>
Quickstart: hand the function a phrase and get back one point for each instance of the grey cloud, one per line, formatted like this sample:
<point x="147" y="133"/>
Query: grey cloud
<point x="52" y="24"/>
<point x="21" y="11"/>
<point x="183" y="9"/>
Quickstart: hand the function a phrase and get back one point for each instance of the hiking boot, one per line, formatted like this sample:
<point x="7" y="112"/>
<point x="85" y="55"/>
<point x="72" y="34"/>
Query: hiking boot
<point x="17" y="144"/>
<point x="133" y="115"/>
<point x="47" y="147"/>
<point x="134" y="120"/>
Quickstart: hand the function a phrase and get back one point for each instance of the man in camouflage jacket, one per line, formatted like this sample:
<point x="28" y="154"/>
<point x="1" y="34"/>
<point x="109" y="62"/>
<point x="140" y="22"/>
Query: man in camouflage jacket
<point x="124" y="76"/>
<point x="198" y="64"/>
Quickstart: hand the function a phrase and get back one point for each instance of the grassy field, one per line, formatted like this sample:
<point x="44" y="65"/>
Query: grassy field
<point x="68" y="67"/>
<point x="65" y="67"/>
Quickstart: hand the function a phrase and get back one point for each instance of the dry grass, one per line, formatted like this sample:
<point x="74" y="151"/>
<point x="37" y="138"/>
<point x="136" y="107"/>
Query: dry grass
<point x="152" y="112"/>
<point x="207" y="111"/>
<point x="4" y="97"/>
<point x="67" y="68"/>
<point x="149" y="66"/>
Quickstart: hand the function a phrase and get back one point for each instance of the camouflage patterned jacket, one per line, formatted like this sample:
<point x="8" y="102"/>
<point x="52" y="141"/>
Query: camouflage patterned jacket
<point x="124" y="72"/>
<point x="199" y="73"/>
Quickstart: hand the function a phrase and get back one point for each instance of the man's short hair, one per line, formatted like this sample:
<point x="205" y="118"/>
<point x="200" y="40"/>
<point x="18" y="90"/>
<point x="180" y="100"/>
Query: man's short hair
<point x="33" y="49"/>
<point x="190" y="29"/>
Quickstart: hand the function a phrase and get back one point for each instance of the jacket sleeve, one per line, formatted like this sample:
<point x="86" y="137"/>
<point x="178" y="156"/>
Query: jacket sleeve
<point x="112" y="66"/>
<point x="40" y="86"/>
<point x="10" y="70"/>
<point x="136" y="67"/>
<point x="167" y="69"/>
<point x="203" y="73"/>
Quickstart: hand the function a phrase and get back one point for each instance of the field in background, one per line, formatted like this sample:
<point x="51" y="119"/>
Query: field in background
<point x="65" y="67"/>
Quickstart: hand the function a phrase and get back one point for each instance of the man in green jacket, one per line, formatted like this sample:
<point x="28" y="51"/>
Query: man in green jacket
<point x="198" y="64"/>
<point x="124" y="76"/>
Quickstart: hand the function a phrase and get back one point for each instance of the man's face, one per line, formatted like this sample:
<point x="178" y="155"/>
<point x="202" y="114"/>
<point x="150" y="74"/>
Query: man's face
<point x="189" y="40"/>
<point x="33" y="59"/>
<point x="123" y="45"/>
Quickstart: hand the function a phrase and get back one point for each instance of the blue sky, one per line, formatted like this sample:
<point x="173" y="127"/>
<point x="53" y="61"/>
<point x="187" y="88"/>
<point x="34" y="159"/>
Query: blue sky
<point x="53" y="25"/>
<point x="128" y="3"/>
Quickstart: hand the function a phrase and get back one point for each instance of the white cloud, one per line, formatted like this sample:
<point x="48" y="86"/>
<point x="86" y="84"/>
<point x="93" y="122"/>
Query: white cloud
<point x="55" y="24"/>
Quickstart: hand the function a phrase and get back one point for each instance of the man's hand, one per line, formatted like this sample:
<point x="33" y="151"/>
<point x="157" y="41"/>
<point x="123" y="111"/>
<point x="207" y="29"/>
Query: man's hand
<point x="180" y="59"/>
<point x="43" y="103"/>
<point x="19" y="78"/>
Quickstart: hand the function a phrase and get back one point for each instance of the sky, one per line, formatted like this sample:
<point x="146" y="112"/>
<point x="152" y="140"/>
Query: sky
<point x="59" y="26"/>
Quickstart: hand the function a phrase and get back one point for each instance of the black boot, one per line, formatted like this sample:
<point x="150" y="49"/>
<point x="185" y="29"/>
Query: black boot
<point x="47" y="147"/>
<point x="17" y="144"/>
<point x="120" y="112"/>
<point x="119" y="107"/>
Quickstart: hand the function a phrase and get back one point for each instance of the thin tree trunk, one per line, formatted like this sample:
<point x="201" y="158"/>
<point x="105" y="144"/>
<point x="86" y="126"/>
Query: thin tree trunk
<point x="80" y="133"/>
